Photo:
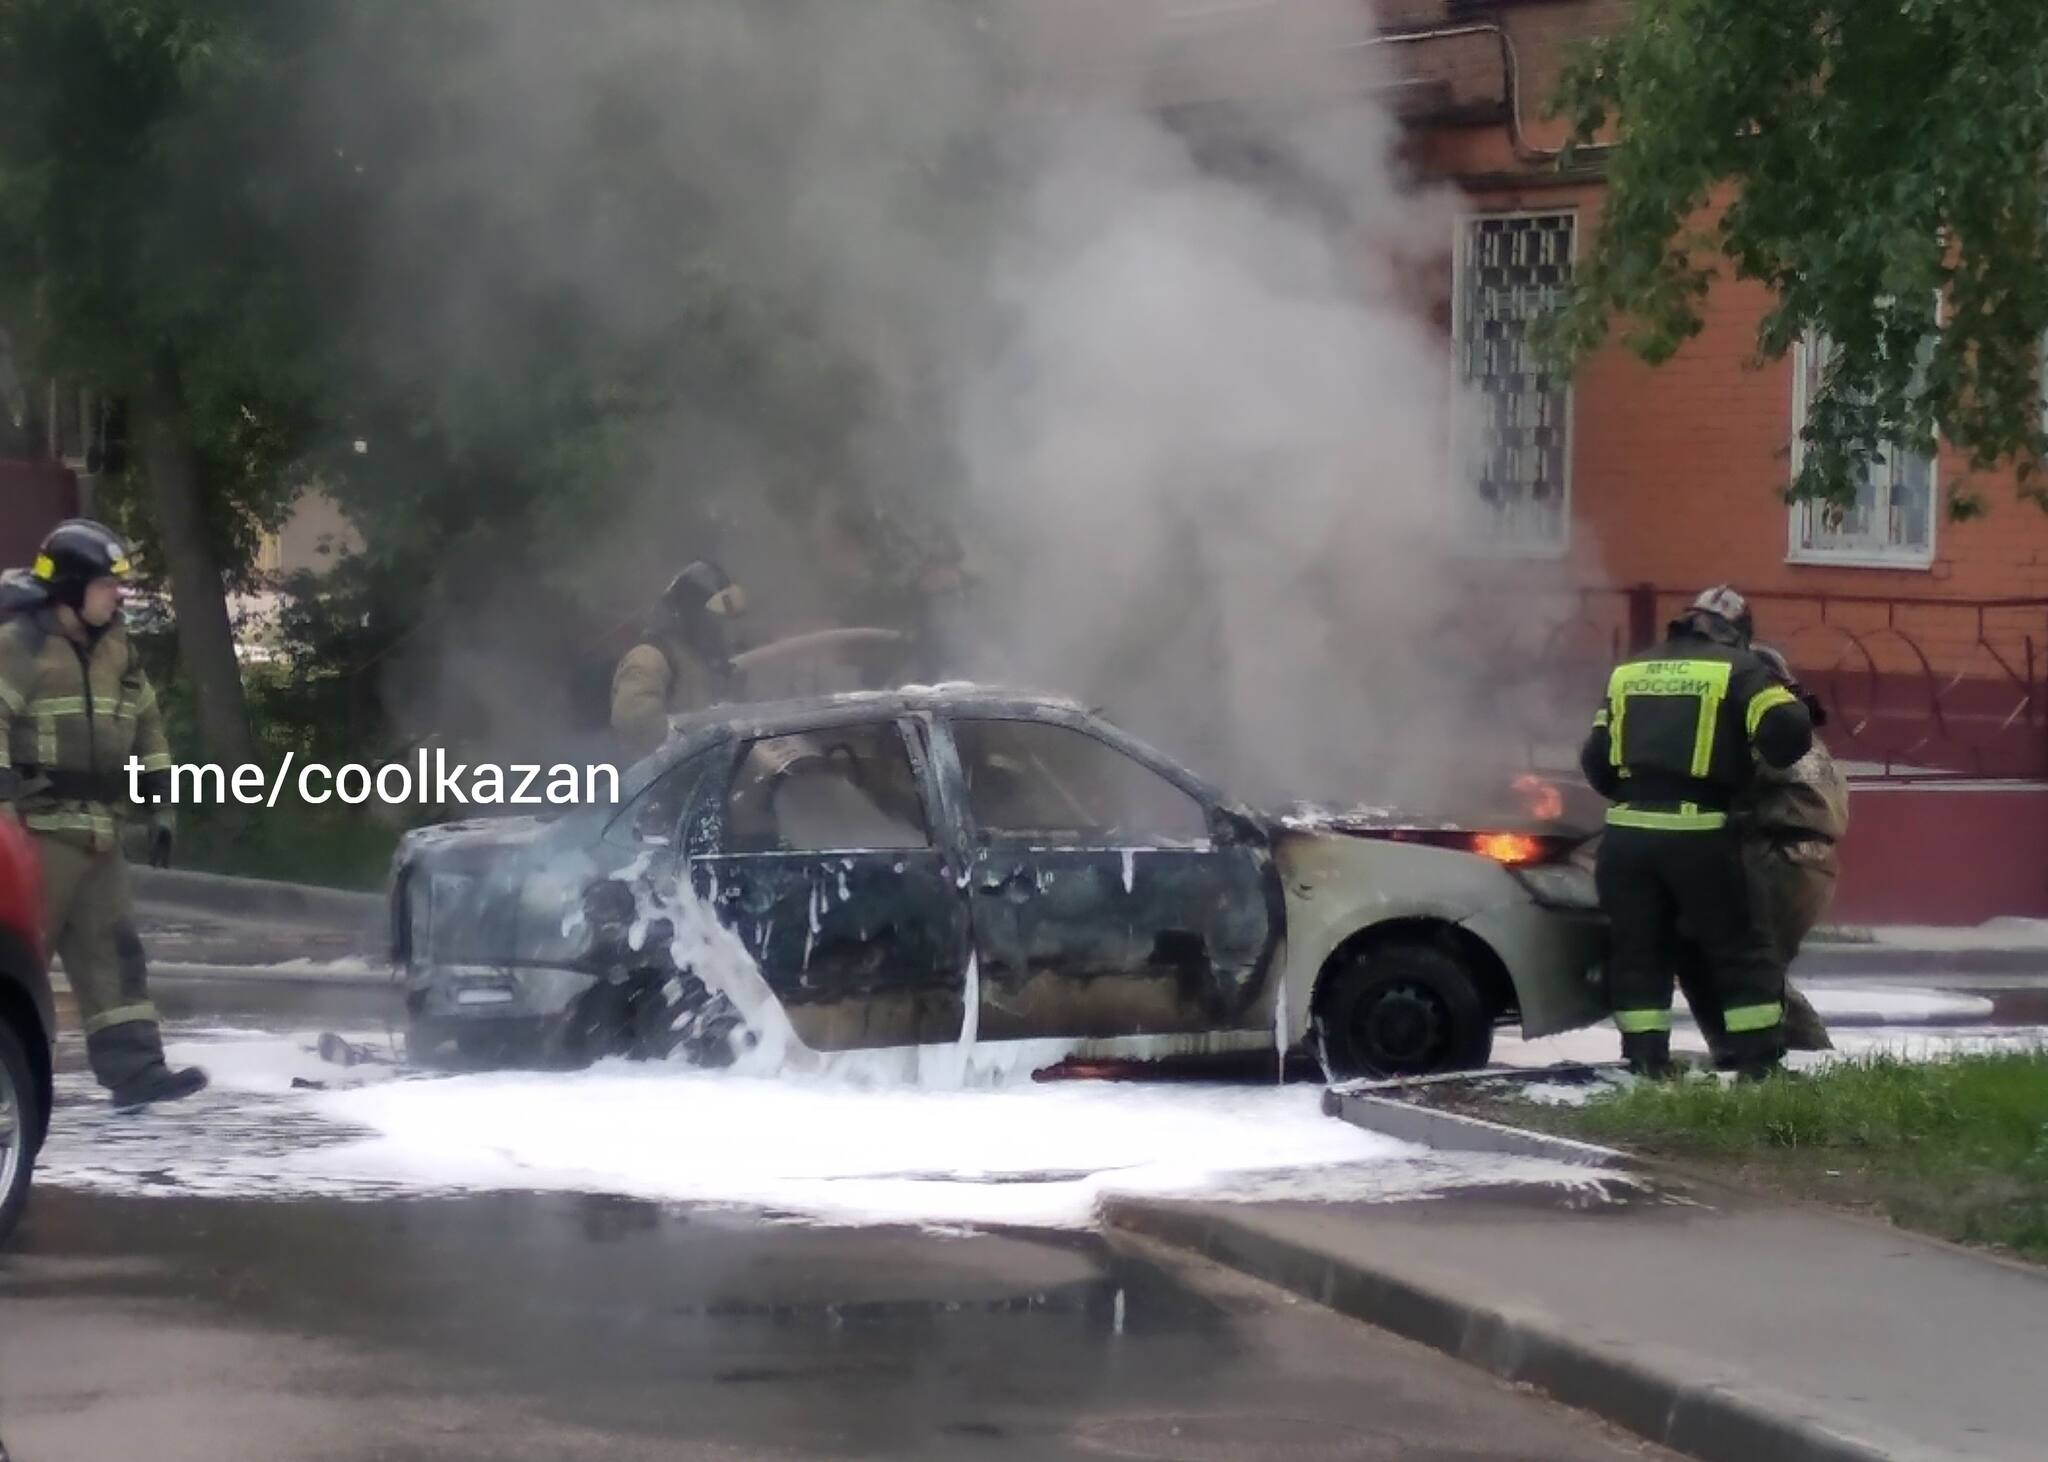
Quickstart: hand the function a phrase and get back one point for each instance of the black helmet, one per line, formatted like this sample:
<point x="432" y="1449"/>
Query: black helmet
<point x="78" y="551"/>
<point x="1722" y="609"/>
<point x="704" y="588"/>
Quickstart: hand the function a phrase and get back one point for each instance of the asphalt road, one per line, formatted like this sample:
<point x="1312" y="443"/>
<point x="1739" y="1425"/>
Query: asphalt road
<point x="517" y="1326"/>
<point x="546" y="1327"/>
<point x="523" y="1325"/>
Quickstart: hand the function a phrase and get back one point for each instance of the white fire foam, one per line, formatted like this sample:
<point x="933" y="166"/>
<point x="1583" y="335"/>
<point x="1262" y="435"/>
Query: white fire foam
<point x="808" y="1147"/>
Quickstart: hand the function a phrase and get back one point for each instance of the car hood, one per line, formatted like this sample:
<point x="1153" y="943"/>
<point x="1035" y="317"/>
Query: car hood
<point x="476" y="837"/>
<point x="496" y="891"/>
<point x="1389" y="824"/>
<point x="1525" y="803"/>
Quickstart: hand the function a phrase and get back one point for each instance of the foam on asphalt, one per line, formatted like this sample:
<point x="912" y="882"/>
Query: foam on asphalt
<point x="810" y="1149"/>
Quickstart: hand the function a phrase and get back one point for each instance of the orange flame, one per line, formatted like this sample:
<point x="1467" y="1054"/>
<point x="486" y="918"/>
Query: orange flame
<point x="1543" y="800"/>
<point x="1512" y="849"/>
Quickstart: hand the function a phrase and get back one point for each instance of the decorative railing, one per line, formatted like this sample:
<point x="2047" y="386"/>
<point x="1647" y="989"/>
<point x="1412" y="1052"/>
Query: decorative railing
<point x="1915" y="688"/>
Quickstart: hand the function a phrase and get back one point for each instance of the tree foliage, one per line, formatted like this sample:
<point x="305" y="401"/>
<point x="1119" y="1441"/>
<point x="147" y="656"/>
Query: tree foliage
<point x="1865" y="161"/>
<point x="483" y="340"/>
<point x="142" y="216"/>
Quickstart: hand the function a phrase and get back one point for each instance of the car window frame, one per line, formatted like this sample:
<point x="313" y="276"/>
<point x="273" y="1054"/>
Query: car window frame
<point x="621" y="831"/>
<point x="981" y="838"/>
<point x="713" y="794"/>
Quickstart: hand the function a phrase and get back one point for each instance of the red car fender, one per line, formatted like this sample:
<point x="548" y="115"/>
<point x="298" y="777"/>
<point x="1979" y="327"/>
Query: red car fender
<point x="21" y="887"/>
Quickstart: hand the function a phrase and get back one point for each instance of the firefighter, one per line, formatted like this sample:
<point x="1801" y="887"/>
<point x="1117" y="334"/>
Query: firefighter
<point x="683" y="660"/>
<point x="74" y="707"/>
<point x="1792" y="823"/>
<point x="1672" y="748"/>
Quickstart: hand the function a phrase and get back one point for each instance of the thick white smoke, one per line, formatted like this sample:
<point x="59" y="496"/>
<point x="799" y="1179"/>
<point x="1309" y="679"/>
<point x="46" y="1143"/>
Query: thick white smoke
<point x="1154" y="368"/>
<point x="1210" y="462"/>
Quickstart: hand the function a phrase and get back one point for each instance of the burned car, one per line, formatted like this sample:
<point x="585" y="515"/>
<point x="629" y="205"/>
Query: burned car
<point x="929" y="866"/>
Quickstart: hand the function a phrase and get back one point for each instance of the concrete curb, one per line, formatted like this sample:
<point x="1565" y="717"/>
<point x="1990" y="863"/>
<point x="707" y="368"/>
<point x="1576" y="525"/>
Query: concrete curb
<point x="1453" y="1131"/>
<point x="256" y="897"/>
<point x="1657" y="1397"/>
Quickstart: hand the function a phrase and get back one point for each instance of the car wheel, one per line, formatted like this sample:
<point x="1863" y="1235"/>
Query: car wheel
<point x="597" y="1025"/>
<point x="21" y="1118"/>
<point x="675" y="1017"/>
<point x="1405" y="1008"/>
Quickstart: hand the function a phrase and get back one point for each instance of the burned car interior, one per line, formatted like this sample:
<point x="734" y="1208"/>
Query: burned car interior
<point x="854" y="789"/>
<point x="1032" y="781"/>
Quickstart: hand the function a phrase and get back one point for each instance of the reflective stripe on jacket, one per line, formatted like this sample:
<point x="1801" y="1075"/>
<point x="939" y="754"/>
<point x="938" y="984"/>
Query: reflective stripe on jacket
<point x="68" y="709"/>
<point x="1680" y="732"/>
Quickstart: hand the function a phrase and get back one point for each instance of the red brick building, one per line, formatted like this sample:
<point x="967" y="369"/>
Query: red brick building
<point x="1928" y="635"/>
<point x="1617" y="494"/>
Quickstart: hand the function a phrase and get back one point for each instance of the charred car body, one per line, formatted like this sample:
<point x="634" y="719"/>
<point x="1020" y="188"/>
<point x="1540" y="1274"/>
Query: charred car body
<point x="915" y="867"/>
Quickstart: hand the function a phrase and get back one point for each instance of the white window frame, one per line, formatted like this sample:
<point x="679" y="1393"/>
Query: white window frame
<point x="1479" y="541"/>
<point x="2041" y="375"/>
<point x="1797" y="550"/>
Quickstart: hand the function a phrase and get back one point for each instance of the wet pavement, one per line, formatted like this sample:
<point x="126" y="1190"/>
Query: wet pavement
<point x="527" y="1326"/>
<point x="518" y="1325"/>
<point x="513" y="1325"/>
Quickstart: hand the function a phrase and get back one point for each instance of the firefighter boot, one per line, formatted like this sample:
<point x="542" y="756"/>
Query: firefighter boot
<point x="159" y="1084"/>
<point x="1804" y="1029"/>
<point x="1648" y="1054"/>
<point x="1754" y="1055"/>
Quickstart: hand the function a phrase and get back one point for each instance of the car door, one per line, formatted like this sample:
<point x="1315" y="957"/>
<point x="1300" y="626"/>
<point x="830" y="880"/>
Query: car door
<point x="818" y="851"/>
<point x="1107" y="898"/>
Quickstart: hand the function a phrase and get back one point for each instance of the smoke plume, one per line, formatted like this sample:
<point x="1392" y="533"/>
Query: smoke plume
<point x="1143" y="368"/>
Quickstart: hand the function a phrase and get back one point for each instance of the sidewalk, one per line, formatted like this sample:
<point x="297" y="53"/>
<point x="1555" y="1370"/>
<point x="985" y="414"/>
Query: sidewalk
<point x="1999" y="946"/>
<point x="1720" y="1324"/>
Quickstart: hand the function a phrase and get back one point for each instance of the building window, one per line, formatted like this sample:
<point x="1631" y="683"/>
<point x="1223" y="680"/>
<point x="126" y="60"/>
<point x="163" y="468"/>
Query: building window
<point x="1891" y="522"/>
<point x="1515" y="437"/>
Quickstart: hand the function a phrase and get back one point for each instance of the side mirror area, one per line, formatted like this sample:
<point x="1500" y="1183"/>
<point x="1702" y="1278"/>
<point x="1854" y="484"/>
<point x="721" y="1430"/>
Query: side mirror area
<point x="1232" y="827"/>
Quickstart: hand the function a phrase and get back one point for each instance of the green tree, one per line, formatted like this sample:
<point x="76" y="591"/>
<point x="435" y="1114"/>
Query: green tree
<point x="1862" y="160"/>
<point x="147" y="246"/>
<point x="556" y="337"/>
<point x="483" y="287"/>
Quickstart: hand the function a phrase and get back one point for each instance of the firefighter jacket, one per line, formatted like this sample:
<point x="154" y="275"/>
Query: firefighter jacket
<point x="71" y="715"/>
<point x="1682" y="729"/>
<point x="658" y="678"/>
<point x="1806" y="801"/>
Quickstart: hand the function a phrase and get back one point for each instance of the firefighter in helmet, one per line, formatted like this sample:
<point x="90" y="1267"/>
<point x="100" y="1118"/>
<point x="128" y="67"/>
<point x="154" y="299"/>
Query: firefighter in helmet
<point x="1673" y="746"/>
<point x="683" y="660"/>
<point x="75" y="706"/>
<point x="1792" y="822"/>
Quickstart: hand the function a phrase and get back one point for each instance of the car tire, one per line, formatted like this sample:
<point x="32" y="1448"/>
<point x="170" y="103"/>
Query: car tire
<point x="1406" y="1007"/>
<point x="676" y="1017"/>
<point x="596" y="1025"/>
<point x="19" y="1096"/>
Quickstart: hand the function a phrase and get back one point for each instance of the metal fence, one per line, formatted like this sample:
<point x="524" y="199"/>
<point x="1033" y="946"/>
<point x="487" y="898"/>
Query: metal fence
<point x="1916" y="688"/>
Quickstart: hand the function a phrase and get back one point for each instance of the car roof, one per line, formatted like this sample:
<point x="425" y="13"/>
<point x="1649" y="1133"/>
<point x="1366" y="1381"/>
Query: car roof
<point x="697" y="732"/>
<point x="950" y="698"/>
<point x="750" y="721"/>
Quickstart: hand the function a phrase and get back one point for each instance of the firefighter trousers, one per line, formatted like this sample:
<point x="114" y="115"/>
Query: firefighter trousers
<point x="1662" y="888"/>
<point x="1790" y="890"/>
<point x="90" y="918"/>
